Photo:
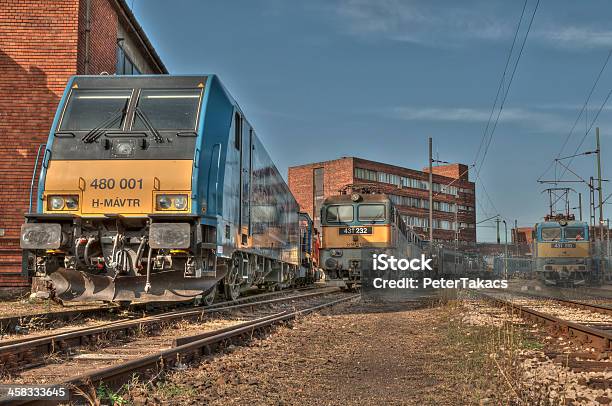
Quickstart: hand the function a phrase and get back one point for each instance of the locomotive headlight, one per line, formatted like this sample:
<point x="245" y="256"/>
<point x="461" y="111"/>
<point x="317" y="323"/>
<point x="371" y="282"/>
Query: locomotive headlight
<point x="124" y="148"/>
<point x="56" y="202"/>
<point x="336" y="253"/>
<point x="172" y="202"/>
<point x="180" y="202"/>
<point x="164" y="202"/>
<point x="60" y="202"/>
<point x="72" y="203"/>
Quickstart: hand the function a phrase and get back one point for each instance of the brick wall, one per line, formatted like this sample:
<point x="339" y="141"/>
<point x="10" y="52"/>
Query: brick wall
<point x="455" y="171"/>
<point x="336" y="174"/>
<point x="102" y="37"/>
<point x="38" y="52"/>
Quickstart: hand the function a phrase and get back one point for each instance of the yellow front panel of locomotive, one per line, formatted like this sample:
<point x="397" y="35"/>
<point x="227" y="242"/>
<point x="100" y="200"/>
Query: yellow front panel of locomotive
<point x="380" y="237"/>
<point x="562" y="250"/>
<point x="126" y="187"/>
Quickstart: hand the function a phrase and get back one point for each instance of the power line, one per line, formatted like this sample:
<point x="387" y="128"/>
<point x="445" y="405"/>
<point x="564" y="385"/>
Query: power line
<point x="582" y="111"/>
<point x="509" y="85"/>
<point x="586" y="133"/>
<point x="501" y="83"/>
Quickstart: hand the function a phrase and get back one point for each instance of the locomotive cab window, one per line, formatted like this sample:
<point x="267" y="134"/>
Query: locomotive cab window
<point x="371" y="212"/>
<point x="89" y="109"/>
<point x="339" y="214"/>
<point x="574" y="233"/>
<point x="168" y="109"/>
<point x="551" y="233"/>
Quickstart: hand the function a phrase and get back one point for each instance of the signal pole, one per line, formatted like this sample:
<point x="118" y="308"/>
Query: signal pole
<point x="516" y="244"/>
<point x="430" y="193"/>
<point x="592" y="205"/>
<point x="505" y="249"/>
<point x="497" y="222"/>
<point x="601" y="218"/>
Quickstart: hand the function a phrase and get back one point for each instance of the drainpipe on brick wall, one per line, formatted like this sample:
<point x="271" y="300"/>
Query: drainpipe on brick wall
<point x="87" y="33"/>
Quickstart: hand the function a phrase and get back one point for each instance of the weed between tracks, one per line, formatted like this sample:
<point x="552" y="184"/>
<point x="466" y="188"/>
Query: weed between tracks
<point x="489" y="353"/>
<point x="505" y="360"/>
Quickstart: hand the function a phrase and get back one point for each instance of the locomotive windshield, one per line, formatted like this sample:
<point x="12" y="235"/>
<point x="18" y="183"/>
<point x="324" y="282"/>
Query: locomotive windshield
<point x="339" y="214"/>
<point x="88" y="109"/>
<point x="371" y="212"/>
<point x="168" y="109"/>
<point x="551" y="233"/>
<point x="574" y="233"/>
<point x="146" y="117"/>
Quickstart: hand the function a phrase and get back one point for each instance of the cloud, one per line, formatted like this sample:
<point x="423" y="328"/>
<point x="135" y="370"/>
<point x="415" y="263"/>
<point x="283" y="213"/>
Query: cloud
<point x="434" y="25"/>
<point x="542" y="121"/>
<point x="440" y="25"/>
<point x="576" y="37"/>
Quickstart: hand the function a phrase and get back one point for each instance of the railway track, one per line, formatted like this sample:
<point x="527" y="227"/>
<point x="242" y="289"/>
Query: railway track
<point x="22" y="324"/>
<point x="590" y="325"/>
<point x="594" y="307"/>
<point x="119" y="363"/>
<point x="583" y="348"/>
<point x="27" y="353"/>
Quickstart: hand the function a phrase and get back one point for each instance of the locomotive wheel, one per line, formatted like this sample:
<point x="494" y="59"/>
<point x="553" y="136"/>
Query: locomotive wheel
<point x="209" y="298"/>
<point x="231" y="285"/>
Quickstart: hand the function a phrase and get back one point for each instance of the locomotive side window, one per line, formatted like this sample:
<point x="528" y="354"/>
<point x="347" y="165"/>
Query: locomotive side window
<point x="237" y="130"/>
<point x="168" y="109"/>
<point x="339" y="214"/>
<point x="371" y="212"/>
<point x="89" y="109"/>
<point x="574" y="233"/>
<point x="551" y="233"/>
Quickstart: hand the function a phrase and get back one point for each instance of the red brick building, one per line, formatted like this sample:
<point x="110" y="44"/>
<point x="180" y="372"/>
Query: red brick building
<point x="43" y="43"/>
<point x="454" y="195"/>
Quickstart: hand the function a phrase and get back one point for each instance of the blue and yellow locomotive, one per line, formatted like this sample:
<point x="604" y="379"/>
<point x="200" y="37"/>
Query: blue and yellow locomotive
<point x="158" y="188"/>
<point x="562" y="252"/>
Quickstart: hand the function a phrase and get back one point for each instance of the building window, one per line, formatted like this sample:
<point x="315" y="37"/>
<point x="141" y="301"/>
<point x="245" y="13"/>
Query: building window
<point x="409" y="201"/>
<point x="415" y="221"/>
<point x="365" y="174"/>
<point x="125" y="66"/>
<point x="444" y="206"/>
<point x="466" y="208"/>
<point x="388" y="178"/>
<point x="318" y="194"/>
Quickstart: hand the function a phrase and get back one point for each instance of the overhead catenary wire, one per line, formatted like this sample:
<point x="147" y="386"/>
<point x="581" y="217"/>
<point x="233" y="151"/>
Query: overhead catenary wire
<point x="586" y="133"/>
<point x="582" y="111"/>
<point x="501" y="83"/>
<point x="500" y="87"/>
<point x="503" y="102"/>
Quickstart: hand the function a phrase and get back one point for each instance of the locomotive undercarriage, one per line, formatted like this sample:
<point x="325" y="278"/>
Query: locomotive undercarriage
<point x="160" y="258"/>
<point x="564" y="278"/>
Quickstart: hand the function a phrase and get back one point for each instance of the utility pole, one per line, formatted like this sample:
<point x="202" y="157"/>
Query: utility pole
<point x="456" y="227"/>
<point x="506" y="249"/>
<point x="592" y="205"/>
<point x="497" y="222"/>
<point x="430" y="193"/>
<point x="599" y="188"/>
<point x="608" y="238"/>
<point x="516" y="249"/>
<point x="580" y="205"/>
<point x="601" y="219"/>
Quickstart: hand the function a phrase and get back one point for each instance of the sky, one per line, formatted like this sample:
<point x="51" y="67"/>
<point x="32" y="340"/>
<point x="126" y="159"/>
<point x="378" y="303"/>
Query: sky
<point x="322" y="79"/>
